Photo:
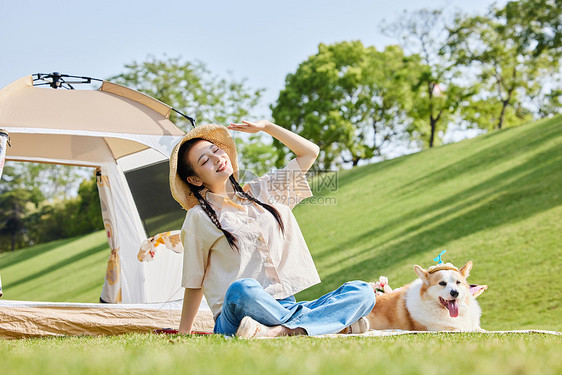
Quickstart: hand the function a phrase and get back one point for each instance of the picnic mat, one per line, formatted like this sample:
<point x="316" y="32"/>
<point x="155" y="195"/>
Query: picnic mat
<point x="23" y="319"/>
<point x="395" y="332"/>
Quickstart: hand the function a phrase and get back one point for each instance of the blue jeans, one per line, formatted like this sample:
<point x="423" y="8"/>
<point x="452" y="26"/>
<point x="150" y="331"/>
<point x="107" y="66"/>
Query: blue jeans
<point x="328" y="314"/>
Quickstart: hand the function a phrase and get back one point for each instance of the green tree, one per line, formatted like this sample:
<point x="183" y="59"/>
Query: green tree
<point x="349" y="99"/>
<point x="259" y="157"/>
<point x="192" y="89"/>
<point x="15" y="205"/>
<point x="55" y="181"/>
<point x="28" y="218"/>
<point x="512" y="60"/>
<point x="438" y="88"/>
<point x="538" y="24"/>
<point x="89" y="207"/>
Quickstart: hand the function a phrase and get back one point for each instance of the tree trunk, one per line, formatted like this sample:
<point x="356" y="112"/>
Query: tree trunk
<point x="432" y="124"/>
<point x="505" y="102"/>
<point x="432" y="120"/>
<point x="502" y="113"/>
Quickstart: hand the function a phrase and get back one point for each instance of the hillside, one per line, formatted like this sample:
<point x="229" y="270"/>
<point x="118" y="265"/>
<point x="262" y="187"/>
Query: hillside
<point x="495" y="199"/>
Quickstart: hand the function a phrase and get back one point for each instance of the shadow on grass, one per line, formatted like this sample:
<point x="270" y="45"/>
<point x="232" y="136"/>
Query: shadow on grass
<point x="22" y="255"/>
<point x="55" y="267"/>
<point x="547" y="161"/>
<point x="496" y="153"/>
<point x="521" y="192"/>
<point x="354" y="175"/>
<point x="517" y="199"/>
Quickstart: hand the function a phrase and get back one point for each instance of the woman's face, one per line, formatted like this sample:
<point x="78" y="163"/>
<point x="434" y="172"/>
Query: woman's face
<point x="211" y="164"/>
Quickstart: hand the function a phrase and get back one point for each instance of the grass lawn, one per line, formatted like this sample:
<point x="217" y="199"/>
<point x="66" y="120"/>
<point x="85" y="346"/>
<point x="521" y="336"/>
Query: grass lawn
<point x="415" y="354"/>
<point x="71" y="270"/>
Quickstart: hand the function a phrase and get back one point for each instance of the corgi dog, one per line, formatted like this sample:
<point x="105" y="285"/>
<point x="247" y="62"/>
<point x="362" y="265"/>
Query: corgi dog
<point x="439" y="300"/>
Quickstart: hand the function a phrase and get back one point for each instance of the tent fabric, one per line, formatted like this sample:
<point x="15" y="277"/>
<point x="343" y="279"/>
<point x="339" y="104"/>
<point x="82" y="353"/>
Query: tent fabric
<point x="119" y="110"/>
<point x="60" y="148"/>
<point x="111" y="291"/>
<point x="114" y="129"/>
<point x="83" y="127"/>
<point x="141" y="98"/>
<point x="22" y="319"/>
<point x="136" y="283"/>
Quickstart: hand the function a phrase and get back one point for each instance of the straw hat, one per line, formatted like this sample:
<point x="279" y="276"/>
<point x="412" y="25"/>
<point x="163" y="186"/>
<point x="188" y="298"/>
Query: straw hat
<point x="217" y="134"/>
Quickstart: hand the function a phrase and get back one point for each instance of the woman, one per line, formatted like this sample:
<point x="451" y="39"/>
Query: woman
<point x="243" y="248"/>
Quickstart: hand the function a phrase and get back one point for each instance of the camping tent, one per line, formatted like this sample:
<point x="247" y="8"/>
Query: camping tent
<point x="115" y="130"/>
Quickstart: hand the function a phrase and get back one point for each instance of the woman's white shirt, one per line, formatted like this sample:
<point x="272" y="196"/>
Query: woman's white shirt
<point x="282" y="264"/>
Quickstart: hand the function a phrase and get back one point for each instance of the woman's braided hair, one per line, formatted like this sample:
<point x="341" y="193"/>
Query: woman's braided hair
<point x="185" y="170"/>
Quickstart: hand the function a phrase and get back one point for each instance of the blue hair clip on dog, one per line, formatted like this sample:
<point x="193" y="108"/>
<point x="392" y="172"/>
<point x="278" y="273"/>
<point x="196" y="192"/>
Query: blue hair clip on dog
<point x="438" y="257"/>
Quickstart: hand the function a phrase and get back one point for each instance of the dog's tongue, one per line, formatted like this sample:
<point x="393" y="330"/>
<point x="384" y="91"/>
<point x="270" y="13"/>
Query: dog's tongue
<point x="453" y="308"/>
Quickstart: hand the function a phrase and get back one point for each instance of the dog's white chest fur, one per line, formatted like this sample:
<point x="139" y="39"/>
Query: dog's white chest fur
<point x="429" y="313"/>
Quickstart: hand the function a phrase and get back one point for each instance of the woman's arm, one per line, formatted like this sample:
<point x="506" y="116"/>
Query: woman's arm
<point x="191" y="301"/>
<point x="306" y="151"/>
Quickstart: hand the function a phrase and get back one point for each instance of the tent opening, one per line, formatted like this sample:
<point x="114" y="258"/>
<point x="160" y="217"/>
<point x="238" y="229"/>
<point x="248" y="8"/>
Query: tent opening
<point x="151" y="192"/>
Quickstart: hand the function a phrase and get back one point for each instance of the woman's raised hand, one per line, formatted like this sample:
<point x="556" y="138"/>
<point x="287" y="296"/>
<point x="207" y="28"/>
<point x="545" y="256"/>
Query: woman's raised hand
<point x="250" y="127"/>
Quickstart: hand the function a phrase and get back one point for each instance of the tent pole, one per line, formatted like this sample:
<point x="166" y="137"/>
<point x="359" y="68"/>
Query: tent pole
<point x="4" y="140"/>
<point x="191" y="119"/>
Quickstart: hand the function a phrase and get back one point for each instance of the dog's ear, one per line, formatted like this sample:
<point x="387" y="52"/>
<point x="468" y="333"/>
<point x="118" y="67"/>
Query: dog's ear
<point x="465" y="270"/>
<point x="422" y="274"/>
<point x="476" y="289"/>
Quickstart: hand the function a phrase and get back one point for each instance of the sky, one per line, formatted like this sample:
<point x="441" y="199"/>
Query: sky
<point x="261" y="41"/>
